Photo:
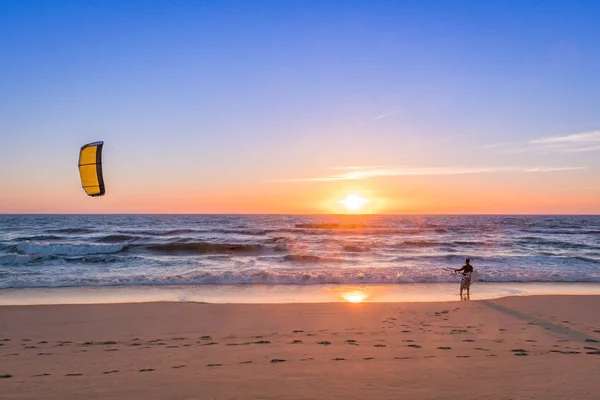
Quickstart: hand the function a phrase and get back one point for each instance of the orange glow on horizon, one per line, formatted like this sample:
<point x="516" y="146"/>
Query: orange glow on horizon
<point x="410" y="195"/>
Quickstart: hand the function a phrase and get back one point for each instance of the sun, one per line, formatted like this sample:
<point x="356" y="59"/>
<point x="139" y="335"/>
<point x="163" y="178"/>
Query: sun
<point x="354" y="202"/>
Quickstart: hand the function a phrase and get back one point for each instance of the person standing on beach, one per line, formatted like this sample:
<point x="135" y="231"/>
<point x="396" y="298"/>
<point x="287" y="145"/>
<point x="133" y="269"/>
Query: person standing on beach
<point x="465" y="282"/>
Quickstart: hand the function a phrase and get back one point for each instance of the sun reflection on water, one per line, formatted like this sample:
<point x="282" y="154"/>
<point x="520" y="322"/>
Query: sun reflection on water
<point x="355" y="296"/>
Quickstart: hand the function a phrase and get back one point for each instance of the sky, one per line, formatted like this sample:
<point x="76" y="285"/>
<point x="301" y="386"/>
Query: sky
<point x="429" y="107"/>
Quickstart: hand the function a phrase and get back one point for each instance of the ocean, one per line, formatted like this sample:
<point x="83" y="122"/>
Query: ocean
<point x="53" y="251"/>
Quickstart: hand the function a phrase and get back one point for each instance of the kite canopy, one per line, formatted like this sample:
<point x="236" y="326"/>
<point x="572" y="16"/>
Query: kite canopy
<point x="90" y="168"/>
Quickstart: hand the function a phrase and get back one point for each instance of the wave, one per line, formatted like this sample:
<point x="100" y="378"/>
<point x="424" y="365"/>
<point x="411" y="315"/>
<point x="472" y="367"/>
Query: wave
<point x="19" y="259"/>
<point x="310" y="259"/>
<point x="351" y="232"/>
<point x="254" y="276"/>
<point x="170" y="232"/>
<point x="67" y="249"/>
<point x="38" y="237"/>
<point x="204" y="248"/>
<point x="336" y="226"/>
<point x="116" y="238"/>
<point x="250" y="232"/>
<point x="538" y="241"/>
<point x="71" y="230"/>
<point x="354" y="249"/>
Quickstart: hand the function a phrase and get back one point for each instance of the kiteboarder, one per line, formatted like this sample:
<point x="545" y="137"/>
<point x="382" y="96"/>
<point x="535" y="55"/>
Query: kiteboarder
<point x="465" y="282"/>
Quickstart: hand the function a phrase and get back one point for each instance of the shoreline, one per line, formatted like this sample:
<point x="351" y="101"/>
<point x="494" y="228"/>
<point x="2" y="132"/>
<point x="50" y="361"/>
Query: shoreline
<point x="288" y="294"/>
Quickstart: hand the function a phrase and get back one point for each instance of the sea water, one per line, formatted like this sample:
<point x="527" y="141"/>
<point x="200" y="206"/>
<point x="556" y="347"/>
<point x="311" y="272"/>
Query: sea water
<point x="62" y="251"/>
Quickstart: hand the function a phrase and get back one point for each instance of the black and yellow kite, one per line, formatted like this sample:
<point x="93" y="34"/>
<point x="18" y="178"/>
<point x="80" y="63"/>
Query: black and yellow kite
<point x="90" y="169"/>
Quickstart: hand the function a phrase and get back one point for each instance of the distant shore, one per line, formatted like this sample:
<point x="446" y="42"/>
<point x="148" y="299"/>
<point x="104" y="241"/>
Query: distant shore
<point x="518" y="347"/>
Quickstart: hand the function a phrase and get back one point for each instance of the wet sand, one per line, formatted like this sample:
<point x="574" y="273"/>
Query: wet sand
<point x="539" y="347"/>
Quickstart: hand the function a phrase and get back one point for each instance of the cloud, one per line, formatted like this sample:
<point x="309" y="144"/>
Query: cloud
<point x="360" y="173"/>
<point x="578" y="142"/>
<point x="574" y="143"/>
<point x="586" y="137"/>
<point x="387" y="114"/>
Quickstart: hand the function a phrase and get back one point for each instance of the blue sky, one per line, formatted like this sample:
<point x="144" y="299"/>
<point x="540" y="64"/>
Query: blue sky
<point x="240" y="97"/>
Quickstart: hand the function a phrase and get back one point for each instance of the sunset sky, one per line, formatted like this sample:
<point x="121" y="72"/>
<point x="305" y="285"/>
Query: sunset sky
<point x="291" y="106"/>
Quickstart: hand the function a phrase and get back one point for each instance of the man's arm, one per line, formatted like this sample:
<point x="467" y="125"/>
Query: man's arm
<point x="462" y="269"/>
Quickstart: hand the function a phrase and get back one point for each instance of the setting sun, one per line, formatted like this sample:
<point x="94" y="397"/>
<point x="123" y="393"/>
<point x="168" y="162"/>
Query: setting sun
<point x="354" y="202"/>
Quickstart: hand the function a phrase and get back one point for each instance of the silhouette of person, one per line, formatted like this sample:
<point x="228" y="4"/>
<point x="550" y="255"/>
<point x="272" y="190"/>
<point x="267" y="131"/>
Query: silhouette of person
<point x="465" y="282"/>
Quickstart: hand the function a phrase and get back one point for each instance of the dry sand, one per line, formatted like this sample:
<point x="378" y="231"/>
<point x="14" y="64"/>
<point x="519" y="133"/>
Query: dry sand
<point x="542" y="347"/>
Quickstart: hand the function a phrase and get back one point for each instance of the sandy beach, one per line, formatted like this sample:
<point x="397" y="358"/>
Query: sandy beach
<point x="539" y="347"/>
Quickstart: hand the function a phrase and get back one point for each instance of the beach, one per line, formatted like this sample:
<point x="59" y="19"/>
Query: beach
<point x="531" y="347"/>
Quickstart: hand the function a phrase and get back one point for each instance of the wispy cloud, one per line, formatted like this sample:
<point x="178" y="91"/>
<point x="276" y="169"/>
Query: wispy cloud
<point x="586" y="137"/>
<point x="387" y="114"/>
<point x="574" y="143"/>
<point x="359" y="173"/>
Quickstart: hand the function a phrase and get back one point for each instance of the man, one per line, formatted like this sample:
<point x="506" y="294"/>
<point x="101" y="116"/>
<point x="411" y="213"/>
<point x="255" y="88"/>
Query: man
<point x="465" y="282"/>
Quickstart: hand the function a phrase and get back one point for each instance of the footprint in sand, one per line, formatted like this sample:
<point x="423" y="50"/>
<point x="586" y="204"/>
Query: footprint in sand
<point x="146" y="370"/>
<point x="444" y="348"/>
<point x="5" y="376"/>
<point x="565" y="352"/>
<point x="44" y="374"/>
<point x="44" y="354"/>
<point x="298" y="331"/>
<point x="170" y="347"/>
<point x="481" y="349"/>
<point x="205" y="338"/>
<point x="468" y="340"/>
<point x="74" y="375"/>
<point x="416" y="346"/>
<point x="324" y="343"/>
<point x="245" y="362"/>
<point x="179" y="366"/>
<point x="338" y="359"/>
<point x="111" y="350"/>
<point x="463" y="356"/>
<point x="277" y="360"/>
<point x="111" y="372"/>
<point x="296" y="342"/>
<point x="262" y="342"/>
<point x="531" y="341"/>
<point x="592" y="341"/>
<point x="368" y="358"/>
<point x="307" y="359"/>
<point x="402" y="358"/>
<point x="520" y="352"/>
<point x="209" y="344"/>
<point x="214" y="365"/>
<point x="379" y="345"/>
